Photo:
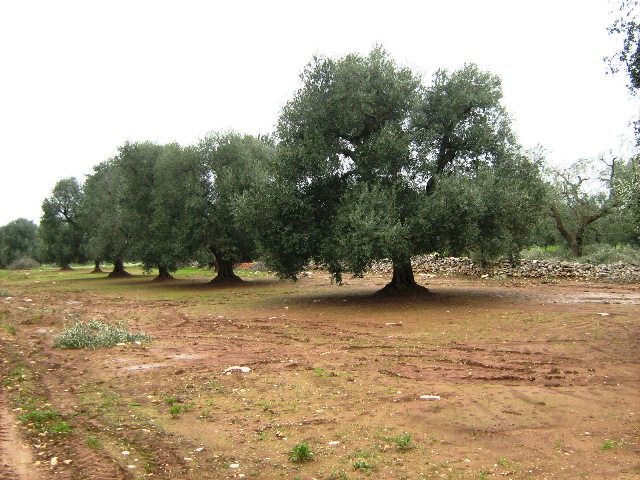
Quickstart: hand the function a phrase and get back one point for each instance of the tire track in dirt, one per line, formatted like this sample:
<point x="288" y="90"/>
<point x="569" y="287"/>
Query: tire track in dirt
<point x="15" y="459"/>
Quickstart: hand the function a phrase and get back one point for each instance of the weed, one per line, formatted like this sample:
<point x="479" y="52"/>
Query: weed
<point x="609" y="444"/>
<point x="93" y="442"/>
<point x="9" y="328"/>
<point x="483" y="474"/>
<point x="503" y="462"/>
<point x="362" y="464"/>
<point x="47" y="421"/>
<point x="58" y="427"/>
<point x="265" y="406"/>
<point x="403" y="442"/>
<point x="170" y="400"/>
<point x="176" y="410"/>
<point x="320" y="372"/>
<point x="262" y="435"/>
<point x="94" y="334"/>
<point x="300" y="453"/>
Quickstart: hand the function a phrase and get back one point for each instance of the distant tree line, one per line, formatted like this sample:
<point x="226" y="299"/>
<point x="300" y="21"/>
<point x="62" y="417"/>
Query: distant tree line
<point x="367" y="163"/>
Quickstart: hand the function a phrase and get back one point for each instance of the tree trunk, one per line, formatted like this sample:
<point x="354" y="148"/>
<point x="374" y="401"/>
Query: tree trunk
<point x="118" y="269"/>
<point x="96" y="268"/>
<point x="163" y="274"/>
<point x="403" y="281"/>
<point x="225" y="270"/>
<point x="65" y="267"/>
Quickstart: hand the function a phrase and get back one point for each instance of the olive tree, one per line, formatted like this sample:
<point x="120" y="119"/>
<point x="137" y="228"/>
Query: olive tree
<point x="230" y="166"/>
<point x="60" y="230"/>
<point x="18" y="239"/>
<point x="363" y="149"/>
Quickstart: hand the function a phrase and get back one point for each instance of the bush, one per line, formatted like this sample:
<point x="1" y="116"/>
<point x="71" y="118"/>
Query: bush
<point x="602" y="254"/>
<point x="94" y="334"/>
<point x="24" y="263"/>
<point x="596" y="254"/>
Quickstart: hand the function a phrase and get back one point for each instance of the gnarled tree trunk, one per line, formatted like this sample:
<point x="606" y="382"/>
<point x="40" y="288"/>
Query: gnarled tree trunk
<point x="118" y="269"/>
<point x="96" y="268"/>
<point x="163" y="274"/>
<point x="403" y="281"/>
<point x="225" y="270"/>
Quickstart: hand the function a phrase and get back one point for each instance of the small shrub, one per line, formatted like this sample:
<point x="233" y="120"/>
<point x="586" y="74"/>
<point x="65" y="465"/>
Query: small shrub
<point x="300" y="453"/>
<point x="94" y="334"/>
<point x="24" y="263"/>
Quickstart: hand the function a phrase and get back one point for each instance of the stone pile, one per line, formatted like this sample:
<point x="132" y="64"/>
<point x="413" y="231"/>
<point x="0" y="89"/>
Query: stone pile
<point x="435" y="264"/>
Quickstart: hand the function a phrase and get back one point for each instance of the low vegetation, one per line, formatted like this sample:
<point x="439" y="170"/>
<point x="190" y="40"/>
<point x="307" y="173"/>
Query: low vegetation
<point x="94" y="334"/>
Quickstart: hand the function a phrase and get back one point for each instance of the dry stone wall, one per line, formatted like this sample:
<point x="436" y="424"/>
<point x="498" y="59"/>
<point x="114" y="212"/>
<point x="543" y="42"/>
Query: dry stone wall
<point x="438" y="265"/>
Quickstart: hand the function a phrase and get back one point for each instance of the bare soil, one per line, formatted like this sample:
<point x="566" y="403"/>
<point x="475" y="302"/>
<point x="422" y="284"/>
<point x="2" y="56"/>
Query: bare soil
<point x="488" y="379"/>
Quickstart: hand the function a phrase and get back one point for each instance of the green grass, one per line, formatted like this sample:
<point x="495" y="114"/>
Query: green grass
<point x="301" y="453"/>
<point x="10" y="329"/>
<point x="93" y="442"/>
<point x="609" y="444"/>
<point x="94" y="334"/>
<point x="403" y="442"/>
<point x="46" y="421"/>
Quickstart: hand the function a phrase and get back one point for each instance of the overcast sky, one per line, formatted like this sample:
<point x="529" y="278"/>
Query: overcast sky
<point x="79" y="78"/>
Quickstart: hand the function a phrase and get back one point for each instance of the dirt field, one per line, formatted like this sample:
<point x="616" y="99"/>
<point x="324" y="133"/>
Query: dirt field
<point x="479" y="379"/>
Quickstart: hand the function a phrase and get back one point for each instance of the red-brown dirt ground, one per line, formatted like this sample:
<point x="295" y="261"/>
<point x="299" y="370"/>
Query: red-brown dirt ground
<point x="481" y="378"/>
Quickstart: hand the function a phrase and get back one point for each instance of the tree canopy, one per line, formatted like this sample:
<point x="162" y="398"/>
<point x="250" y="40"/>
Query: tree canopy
<point x="18" y="239"/>
<point x="60" y="227"/>
<point x="371" y="165"/>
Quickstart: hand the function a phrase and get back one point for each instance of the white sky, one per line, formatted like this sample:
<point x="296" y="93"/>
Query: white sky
<point x="79" y="78"/>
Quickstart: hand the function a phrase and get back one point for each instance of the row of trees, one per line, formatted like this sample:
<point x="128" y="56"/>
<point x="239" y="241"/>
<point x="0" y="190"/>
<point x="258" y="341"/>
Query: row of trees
<point x="366" y="163"/>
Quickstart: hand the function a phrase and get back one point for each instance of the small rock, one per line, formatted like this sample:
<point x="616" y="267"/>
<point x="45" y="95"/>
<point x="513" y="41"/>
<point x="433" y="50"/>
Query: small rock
<point x="237" y="369"/>
<point x="234" y="465"/>
<point x="67" y="462"/>
<point x="334" y="443"/>
<point x="126" y="453"/>
<point x="54" y="461"/>
<point x="430" y="397"/>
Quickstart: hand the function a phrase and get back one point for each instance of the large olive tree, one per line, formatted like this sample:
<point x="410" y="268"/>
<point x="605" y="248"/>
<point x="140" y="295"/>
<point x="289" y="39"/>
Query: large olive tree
<point x="369" y="159"/>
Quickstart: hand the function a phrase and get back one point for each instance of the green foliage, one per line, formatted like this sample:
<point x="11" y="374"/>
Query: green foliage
<point x="94" y="334"/>
<point x="231" y="168"/>
<point x="628" y="27"/>
<point x="146" y="218"/>
<point x="60" y="227"/>
<point x="610" y="444"/>
<point x="301" y="453"/>
<point x="103" y="211"/>
<point x="373" y="166"/>
<point x="46" y="421"/>
<point x="403" y="442"/>
<point x="18" y="239"/>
